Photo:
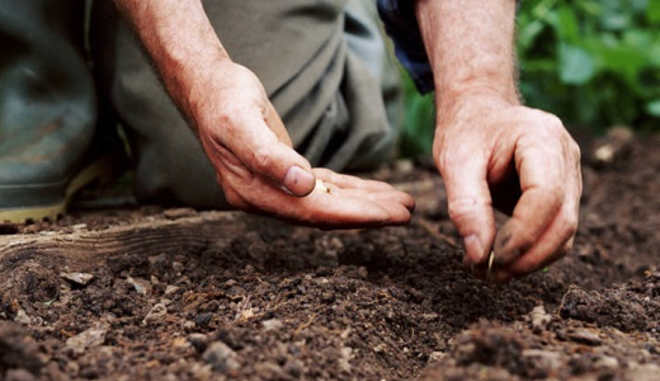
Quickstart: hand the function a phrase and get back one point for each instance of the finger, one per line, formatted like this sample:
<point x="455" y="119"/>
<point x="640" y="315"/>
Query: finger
<point x="337" y="209"/>
<point x="553" y="244"/>
<point x="394" y="202"/>
<point x="347" y="181"/>
<point x="261" y="151"/>
<point x="275" y="123"/>
<point x="541" y="181"/>
<point x="469" y="201"/>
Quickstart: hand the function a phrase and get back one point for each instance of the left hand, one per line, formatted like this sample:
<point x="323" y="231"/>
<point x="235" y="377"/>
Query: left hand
<point x="492" y="152"/>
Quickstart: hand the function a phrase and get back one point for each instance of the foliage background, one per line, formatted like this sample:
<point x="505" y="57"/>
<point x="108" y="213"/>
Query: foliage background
<point x="594" y="63"/>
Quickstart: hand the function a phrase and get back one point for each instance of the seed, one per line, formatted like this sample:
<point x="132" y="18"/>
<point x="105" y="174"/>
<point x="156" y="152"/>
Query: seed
<point x="321" y="186"/>
<point x="491" y="259"/>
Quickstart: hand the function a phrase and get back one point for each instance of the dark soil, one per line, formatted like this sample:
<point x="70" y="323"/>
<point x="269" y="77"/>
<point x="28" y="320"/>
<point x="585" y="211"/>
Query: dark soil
<point x="279" y="302"/>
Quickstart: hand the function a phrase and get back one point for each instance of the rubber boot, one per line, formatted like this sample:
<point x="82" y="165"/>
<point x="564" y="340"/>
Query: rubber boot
<point x="47" y="109"/>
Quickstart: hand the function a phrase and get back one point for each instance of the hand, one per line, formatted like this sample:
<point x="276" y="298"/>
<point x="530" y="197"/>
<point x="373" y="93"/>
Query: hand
<point x="260" y="172"/>
<point x="491" y="152"/>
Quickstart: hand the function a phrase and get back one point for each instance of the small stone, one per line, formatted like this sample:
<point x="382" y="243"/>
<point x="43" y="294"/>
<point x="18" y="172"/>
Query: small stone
<point x="189" y="324"/>
<point x="607" y="362"/>
<point x="169" y="290"/>
<point x="157" y="312"/>
<point x="272" y="324"/>
<point x="363" y="273"/>
<point x="585" y="336"/>
<point x="89" y="338"/>
<point x="180" y="344"/>
<point x="540" y="319"/>
<point x="404" y="166"/>
<point x="141" y="286"/>
<point x="545" y="359"/>
<point x="436" y="356"/>
<point x="22" y="317"/>
<point x="81" y="279"/>
<point x="221" y="357"/>
<point x="177" y="266"/>
<point x="345" y="358"/>
<point x="430" y="317"/>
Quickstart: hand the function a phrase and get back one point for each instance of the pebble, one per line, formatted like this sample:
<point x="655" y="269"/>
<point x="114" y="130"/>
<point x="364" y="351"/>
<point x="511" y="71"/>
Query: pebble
<point x="88" y="338"/>
<point x="437" y="356"/>
<point x="345" y="358"/>
<point x="81" y="279"/>
<point x="169" y="290"/>
<point x="540" y="319"/>
<point x="189" y="324"/>
<point x="177" y="266"/>
<point x="22" y="317"/>
<point x="141" y="286"/>
<point x="272" y="324"/>
<point x="607" y="362"/>
<point x="585" y="336"/>
<point x="157" y="312"/>
<point x="221" y="357"/>
<point x="180" y="344"/>
<point x="404" y="166"/>
<point x="546" y="359"/>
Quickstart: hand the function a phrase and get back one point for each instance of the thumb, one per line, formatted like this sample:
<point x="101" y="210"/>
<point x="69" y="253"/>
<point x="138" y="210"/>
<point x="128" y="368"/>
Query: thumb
<point x="269" y="154"/>
<point x="469" y="204"/>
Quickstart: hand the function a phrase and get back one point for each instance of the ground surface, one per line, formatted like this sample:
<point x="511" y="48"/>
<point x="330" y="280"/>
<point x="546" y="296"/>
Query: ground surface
<point x="250" y="298"/>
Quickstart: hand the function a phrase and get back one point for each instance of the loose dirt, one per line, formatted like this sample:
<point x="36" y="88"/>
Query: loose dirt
<point x="266" y="300"/>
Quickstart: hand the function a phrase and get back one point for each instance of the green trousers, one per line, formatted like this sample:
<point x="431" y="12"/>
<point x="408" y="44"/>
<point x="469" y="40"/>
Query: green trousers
<point x="323" y="63"/>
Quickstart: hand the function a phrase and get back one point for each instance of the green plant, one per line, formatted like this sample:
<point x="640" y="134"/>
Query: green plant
<point x="592" y="62"/>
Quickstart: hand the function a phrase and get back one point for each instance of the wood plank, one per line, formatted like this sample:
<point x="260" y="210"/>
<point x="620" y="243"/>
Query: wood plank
<point x="83" y="250"/>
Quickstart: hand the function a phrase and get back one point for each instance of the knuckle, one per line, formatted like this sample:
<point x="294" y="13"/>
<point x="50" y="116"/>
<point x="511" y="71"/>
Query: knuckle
<point x="575" y="149"/>
<point x="462" y="209"/>
<point x="570" y="224"/>
<point x="262" y="159"/>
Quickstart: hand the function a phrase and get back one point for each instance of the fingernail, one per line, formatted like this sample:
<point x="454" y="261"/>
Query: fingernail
<point x="474" y="248"/>
<point x="299" y="181"/>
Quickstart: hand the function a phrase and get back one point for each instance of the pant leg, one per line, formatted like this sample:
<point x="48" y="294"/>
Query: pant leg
<point x="329" y="100"/>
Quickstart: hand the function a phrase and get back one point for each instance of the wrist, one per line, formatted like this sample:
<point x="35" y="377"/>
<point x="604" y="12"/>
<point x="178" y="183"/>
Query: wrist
<point x="483" y="96"/>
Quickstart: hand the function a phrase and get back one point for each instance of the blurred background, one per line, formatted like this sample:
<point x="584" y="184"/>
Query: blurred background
<point x="594" y="63"/>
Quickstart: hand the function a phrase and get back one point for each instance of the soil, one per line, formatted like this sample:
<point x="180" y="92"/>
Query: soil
<point x="265" y="300"/>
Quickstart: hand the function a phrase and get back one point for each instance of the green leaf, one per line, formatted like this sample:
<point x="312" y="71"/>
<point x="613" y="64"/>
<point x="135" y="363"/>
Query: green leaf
<point x="653" y="11"/>
<point x="567" y="25"/>
<point x="529" y="32"/>
<point x="576" y="66"/>
<point x="653" y="108"/>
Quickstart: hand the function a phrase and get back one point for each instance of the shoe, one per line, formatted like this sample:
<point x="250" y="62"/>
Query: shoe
<point x="48" y="112"/>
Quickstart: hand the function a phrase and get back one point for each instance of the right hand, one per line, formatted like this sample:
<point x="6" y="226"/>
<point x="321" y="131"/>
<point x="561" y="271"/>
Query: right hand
<point x="259" y="171"/>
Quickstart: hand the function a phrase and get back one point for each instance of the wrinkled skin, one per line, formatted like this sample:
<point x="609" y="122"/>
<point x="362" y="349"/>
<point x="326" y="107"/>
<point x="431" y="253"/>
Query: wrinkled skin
<point x="492" y="152"/>
<point x="259" y="171"/>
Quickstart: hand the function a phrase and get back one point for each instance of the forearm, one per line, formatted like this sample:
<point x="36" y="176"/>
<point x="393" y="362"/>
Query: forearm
<point x="179" y="37"/>
<point x="470" y="46"/>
